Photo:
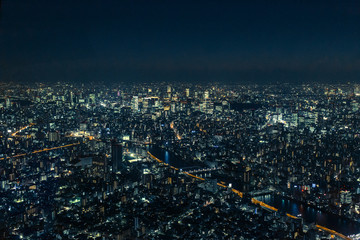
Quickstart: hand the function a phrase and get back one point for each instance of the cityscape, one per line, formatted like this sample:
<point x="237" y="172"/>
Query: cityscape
<point x="161" y="120"/>
<point x="180" y="161"/>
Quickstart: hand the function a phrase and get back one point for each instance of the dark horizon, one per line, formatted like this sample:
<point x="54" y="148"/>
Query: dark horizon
<point x="206" y="41"/>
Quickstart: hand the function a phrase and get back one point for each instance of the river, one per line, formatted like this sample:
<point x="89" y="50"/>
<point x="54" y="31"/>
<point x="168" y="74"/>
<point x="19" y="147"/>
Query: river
<point x="309" y="214"/>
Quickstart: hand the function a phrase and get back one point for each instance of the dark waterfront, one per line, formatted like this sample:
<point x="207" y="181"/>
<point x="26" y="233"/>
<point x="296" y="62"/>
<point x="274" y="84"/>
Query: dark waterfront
<point x="309" y="214"/>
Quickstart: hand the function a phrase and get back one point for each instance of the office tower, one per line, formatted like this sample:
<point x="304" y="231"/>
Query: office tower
<point x="54" y="136"/>
<point x="71" y="98"/>
<point x="136" y="223"/>
<point x="135" y="103"/>
<point x="92" y="98"/>
<point x="206" y="95"/>
<point x="168" y="91"/>
<point x="116" y="156"/>
<point x="187" y="92"/>
<point x="357" y="90"/>
<point x="8" y="103"/>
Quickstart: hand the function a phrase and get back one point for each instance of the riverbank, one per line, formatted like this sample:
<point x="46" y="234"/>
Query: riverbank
<point x="310" y="214"/>
<point x="321" y="208"/>
<point x="255" y="201"/>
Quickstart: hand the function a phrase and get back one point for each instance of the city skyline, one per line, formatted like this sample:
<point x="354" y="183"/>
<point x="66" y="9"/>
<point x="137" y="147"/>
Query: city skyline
<point x="139" y="119"/>
<point x="182" y="161"/>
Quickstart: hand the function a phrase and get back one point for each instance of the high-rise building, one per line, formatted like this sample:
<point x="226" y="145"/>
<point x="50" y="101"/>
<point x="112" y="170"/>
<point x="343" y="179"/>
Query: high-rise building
<point x="71" y="98"/>
<point x="345" y="197"/>
<point x="135" y="103"/>
<point x="357" y="90"/>
<point x="116" y="156"/>
<point x="206" y="95"/>
<point x="8" y="103"/>
<point x="92" y="98"/>
<point x="168" y="91"/>
<point x="187" y="92"/>
<point x="54" y="136"/>
<point x="136" y="223"/>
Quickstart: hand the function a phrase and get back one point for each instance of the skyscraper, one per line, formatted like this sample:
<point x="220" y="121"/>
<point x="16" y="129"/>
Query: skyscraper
<point x="206" y="95"/>
<point x="8" y="102"/>
<point x="71" y="98"/>
<point x="92" y="98"/>
<point x="116" y="156"/>
<point x="135" y="103"/>
<point x="168" y="91"/>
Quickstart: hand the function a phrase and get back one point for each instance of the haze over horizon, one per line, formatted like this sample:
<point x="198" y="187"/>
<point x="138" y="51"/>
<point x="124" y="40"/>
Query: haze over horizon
<point x="129" y="41"/>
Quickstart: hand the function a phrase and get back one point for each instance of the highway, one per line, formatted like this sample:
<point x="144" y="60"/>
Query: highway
<point x="21" y="129"/>
<point x="42" y="150"/>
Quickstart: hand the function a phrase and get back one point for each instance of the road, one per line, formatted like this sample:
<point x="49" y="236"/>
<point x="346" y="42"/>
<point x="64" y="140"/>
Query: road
<point x="42" y="150"/>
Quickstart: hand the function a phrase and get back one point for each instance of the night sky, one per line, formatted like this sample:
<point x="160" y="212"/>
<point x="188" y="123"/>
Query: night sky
<point x="191" y="41"/>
